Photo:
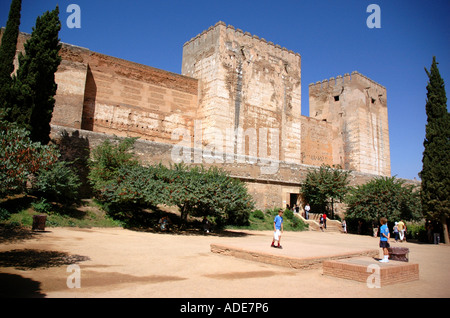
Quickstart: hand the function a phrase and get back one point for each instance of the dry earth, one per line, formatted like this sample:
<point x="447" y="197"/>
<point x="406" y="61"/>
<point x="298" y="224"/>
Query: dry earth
<point x="114" y="262"/>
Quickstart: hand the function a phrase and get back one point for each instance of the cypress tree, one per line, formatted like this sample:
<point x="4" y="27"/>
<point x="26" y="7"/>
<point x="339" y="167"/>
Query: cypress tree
<point x="8" y="50"/>
<point x="35" y="86"/>
<point x="435" y="172"/>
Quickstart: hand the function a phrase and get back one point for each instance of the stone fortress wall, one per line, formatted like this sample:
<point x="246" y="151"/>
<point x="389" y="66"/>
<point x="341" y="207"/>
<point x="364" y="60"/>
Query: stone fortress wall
<point x="231" y="81"/>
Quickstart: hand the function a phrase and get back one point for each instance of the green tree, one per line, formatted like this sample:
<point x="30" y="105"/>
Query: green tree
<point x="21" y="158"/>
<point x="435" y="172"/>
<point x="8" y="51"/>
<point x="107" y="160"/>
<point x="324" y="186"/>
<point x="34" y="85"/>
<point x="57" y="182"/>
<point x="383" y="197"/>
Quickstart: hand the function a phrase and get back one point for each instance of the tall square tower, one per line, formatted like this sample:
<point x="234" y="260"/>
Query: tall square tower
<point x="248" y="83"/>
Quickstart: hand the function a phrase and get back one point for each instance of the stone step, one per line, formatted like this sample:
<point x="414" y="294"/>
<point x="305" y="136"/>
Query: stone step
<point x="313" y="222"/>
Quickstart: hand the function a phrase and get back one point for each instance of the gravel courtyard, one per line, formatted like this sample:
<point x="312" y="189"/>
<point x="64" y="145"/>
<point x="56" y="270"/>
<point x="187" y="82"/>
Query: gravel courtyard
<point x="114" y="262"/>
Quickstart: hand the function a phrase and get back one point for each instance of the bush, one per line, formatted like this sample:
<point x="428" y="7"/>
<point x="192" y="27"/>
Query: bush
<point x="384" y="197"/>
<point x="107" y="160"/>
<point x="58" y="182"/>
<point x="258" y="214"/>
<point x="42" y="206"/>
<point x="288" y="214"/>
<point x="120" y="181"/>
<point x="20" y="158"/>
<point x="4" y="214"/>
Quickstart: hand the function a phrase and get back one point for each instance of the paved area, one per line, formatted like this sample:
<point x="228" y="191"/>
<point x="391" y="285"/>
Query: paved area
<point x="115" y="262"/>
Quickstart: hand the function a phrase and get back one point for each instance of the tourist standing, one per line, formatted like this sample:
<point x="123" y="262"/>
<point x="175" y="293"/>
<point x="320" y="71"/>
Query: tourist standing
<point x="396" y="231"/>
<point x="401" y="230"/>
<point x="344" y="226"/>
<point x="324" y="220"/>
<point x="307" y="208"/>
<point x="278" y="228"/>
<point x="384" y="240"/>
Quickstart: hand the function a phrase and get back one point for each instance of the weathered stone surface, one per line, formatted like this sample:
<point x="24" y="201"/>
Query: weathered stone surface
<point x="356" y="107"/>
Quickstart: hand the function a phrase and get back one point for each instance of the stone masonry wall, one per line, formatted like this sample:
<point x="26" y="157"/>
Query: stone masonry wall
<point x="357" y="108"/>
<point x="247" y="83"/>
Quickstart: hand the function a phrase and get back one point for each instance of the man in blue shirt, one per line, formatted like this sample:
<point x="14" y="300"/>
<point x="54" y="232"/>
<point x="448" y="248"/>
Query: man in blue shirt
<point x="384" y="239"/>
<point x="278" y="228"/>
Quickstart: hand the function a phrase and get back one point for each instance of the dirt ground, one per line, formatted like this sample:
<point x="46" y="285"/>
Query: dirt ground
<point x="113" y="262"/>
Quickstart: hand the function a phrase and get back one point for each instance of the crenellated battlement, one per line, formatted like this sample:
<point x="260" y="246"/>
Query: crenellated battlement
<point x="340" y="81"/>
<point x="238" y="33"/>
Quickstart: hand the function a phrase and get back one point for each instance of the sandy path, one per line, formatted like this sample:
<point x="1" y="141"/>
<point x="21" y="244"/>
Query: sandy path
<point x="123" y="263"/>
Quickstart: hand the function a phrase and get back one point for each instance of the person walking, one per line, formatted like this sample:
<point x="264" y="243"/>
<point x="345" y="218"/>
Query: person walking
<point x="307" y="209"/>
<point x="278" y="228"/>
<point x="324" y="221"/>
<point x="384" y="240"/>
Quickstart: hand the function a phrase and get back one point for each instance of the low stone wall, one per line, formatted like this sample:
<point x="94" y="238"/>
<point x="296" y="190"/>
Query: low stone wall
<point x="382" y="274"/>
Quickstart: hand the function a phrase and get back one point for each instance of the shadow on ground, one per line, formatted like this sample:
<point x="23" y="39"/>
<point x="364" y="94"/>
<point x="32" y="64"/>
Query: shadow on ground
<point x="16" y="286"/>
<point x="26" y="259"/>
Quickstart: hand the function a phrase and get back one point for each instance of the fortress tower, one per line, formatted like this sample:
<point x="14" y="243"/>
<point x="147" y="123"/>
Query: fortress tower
<point x="246" y="82"/>
<point x="356" y="106"/>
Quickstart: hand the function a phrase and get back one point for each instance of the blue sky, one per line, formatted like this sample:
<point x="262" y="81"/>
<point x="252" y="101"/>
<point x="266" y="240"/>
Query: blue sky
<point x="330" y="35"/>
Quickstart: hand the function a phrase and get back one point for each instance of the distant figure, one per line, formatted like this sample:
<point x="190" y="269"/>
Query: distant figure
<point x="344" y="226"/>
<point x="324" y="220"/>
<point x="307" y="208"/>
<point x="321" y="222"/>
<point x="401" y="230"/>
<point x="278" y="228"/>
<point x="206" y="225"/>
<point x="396" y="231"/>
<point x="164" y="223"/>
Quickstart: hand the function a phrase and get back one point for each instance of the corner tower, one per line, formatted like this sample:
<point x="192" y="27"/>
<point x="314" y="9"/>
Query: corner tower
<point x="357" y="107"/>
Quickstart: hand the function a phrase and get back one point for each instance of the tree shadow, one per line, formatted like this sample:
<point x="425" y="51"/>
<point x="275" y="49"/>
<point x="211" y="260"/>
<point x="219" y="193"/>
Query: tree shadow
<point x="16" y="286"/>
<point x="11" y="234"/>
<point x="144" y="219"/>
<point x="28" y="259"/>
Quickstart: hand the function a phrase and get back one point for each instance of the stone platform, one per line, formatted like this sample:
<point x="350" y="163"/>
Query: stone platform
<point x="371" y="271"/>
<point x="303" y="256"/>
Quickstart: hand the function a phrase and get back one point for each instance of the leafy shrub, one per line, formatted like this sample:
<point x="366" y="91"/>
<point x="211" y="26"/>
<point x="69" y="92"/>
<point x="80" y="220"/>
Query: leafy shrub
<point x="384" y="197"/>
<point x="288" y="214"/>
<point x="106" y="161"/>
<point x="119" y="180"/>
<point x="20" y="158"/>
<point x="258" y="214"/>
<point x="58" y="182"/>
<point x="42" y="206"/>
<point x="4" y="214"/>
